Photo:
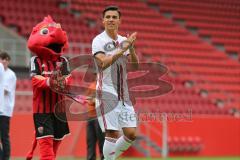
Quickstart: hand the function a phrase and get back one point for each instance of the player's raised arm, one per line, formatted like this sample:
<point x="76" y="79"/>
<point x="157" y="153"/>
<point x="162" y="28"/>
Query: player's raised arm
<point x="104" y="61"/>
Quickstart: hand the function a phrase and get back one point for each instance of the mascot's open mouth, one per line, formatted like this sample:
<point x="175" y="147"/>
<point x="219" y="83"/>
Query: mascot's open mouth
<point x="57" y="48"/>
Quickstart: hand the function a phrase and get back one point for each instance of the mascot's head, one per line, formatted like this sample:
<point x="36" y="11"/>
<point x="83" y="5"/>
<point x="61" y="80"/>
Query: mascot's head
<point x="48" y="40"/>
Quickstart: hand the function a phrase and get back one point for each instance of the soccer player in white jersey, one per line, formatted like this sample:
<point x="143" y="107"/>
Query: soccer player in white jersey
<point x="115" y="112"/>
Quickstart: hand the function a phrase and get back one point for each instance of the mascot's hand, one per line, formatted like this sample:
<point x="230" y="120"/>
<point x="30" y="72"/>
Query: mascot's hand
<point x="58" y="82"/>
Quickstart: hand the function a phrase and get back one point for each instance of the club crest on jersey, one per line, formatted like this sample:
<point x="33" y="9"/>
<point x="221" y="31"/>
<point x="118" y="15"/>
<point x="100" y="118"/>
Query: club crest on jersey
<point x="40" y="130"/>
<point x="110" y="46"/>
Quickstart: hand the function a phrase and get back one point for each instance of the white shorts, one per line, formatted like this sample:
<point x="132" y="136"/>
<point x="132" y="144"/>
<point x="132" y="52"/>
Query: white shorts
<point x="114" y="115"/>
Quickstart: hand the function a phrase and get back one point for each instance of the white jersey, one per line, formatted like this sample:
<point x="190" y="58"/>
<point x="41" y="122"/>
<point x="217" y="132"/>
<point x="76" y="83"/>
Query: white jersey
<point x="1" y="88"/>
<point x="111" y="82"/>
<point x="9" y="98"/>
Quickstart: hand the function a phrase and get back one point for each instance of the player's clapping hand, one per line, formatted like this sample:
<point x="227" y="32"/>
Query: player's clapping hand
<point x="132" y="37"/>
<point x="130" y="41"/>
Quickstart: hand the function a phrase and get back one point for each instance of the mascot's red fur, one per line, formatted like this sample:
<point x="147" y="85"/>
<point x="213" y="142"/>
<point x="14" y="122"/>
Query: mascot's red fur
<point x="47" y="43"/>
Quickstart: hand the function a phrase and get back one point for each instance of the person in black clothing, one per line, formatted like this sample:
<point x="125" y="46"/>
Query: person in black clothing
<point x="94" y="132"/>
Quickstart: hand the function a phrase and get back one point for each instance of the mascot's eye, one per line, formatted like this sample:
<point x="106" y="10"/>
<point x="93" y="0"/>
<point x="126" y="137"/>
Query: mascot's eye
<point x="44" y="31"/>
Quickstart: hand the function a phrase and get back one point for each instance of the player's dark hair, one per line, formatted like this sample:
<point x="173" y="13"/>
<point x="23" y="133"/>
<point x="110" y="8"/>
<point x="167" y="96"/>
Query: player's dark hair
<point x="111" y="8"/>
<point x="4" y="55"/>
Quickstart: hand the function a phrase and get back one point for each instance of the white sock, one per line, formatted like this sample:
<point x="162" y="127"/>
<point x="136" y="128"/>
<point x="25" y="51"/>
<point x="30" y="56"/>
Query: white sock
<point x="109" y="148"/>
<point x="122" y="144"/>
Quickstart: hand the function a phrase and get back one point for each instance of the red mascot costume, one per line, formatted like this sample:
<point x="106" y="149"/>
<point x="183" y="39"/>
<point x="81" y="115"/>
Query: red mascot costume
<point x="47" y="43"/>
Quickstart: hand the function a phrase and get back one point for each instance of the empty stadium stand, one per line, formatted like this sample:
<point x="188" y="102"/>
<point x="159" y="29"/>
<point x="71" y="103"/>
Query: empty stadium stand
<point x="217" y="19"/>
<point x="15" y="45"/>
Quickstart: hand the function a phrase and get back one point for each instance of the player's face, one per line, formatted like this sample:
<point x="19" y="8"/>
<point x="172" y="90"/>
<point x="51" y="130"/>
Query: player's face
<point x="5" y="62"/>
<point x="111" y="20"/>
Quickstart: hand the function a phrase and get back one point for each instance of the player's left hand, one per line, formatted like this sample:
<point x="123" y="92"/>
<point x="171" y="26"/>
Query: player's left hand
<point x="132" y="38"/>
